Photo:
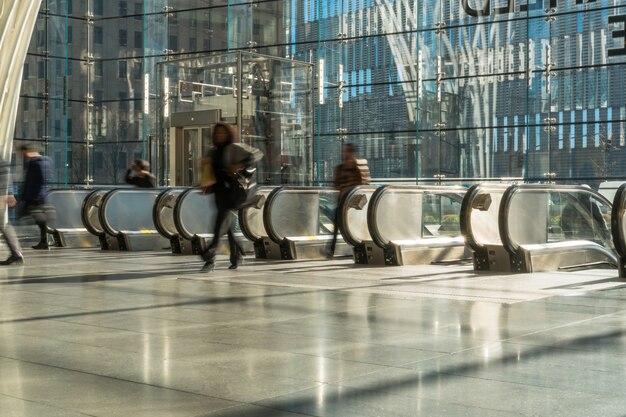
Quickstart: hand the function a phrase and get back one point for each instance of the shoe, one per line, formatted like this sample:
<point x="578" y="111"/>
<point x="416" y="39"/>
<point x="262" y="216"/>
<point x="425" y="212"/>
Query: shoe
<point x="13" y="259"/>
<point x="238" y="262"/>
<point x="208" y="267"/>
<point x="41" y="246"/>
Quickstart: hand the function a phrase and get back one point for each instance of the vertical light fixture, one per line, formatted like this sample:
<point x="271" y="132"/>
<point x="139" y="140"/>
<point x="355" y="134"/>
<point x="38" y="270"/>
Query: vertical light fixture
<point x="166" y="97"/>
<point x="320" y="80"/>
<point x="419" y="73"/>
<point x="146" y="93"/>
<point x="340" y="86"/>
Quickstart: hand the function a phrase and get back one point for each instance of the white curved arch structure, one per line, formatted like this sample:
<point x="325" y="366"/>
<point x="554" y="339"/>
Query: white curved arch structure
<point x="17" y="21"/>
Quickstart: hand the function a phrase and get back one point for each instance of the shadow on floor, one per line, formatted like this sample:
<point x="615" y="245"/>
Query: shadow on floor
<point x="371" y="391"/>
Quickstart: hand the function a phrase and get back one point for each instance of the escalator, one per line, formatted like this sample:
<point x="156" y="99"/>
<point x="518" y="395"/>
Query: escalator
<point x="412" y="225"/>
<point x="537" y="227"/>
<point x="67" y="228"/>
<point x="299" y="221"/>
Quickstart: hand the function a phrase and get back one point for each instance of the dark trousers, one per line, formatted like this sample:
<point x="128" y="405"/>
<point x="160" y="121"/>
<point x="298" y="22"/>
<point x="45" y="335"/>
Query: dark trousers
<point x="37" y="210"/>
<point x="333" y="243"/>
<point x="223" y="224"/>
<point x="10" y="238"/>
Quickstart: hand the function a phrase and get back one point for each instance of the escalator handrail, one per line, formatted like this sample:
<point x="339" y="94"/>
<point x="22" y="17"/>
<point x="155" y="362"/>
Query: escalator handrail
<point x="513" y="247"/>
<point x="343" y="208"/>
<point x="271" y="199"/>
<point x="156" y="213"/>
<point x="178" y="221"/>
<point x="417" y="189"/>
<point x="242" y="218"/>
<point x="108" y="229"/>
<point x="617" y="227"/>
<point x="86" y="205"/>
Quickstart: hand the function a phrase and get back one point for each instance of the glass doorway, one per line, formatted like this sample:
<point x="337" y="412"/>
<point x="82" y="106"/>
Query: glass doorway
<point x="190" y="146"/>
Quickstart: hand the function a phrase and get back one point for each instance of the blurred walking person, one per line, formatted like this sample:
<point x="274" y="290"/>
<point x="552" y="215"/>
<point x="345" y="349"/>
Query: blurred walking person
<point x="7" y="200"/>
<point x="229" y="168"/>
<point x="35" y="190"/>
<point x="350" y="173"/>
<point x="139" y="175"/>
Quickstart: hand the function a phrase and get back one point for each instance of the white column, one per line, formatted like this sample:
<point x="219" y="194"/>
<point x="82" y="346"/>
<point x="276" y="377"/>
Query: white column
<point x="17" y="21"/>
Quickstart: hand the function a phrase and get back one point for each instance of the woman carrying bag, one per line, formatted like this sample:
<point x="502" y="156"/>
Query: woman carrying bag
<point x="227" y="172"/>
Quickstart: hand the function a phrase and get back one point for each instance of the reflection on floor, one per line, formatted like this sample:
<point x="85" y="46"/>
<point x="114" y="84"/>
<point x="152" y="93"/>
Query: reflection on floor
<point x="91" y="333"/>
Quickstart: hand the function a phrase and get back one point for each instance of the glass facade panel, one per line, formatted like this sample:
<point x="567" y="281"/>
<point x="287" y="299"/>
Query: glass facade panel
<point x="460" y="89"/>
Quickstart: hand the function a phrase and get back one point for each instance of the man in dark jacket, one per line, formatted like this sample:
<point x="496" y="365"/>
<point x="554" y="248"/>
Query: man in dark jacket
<point x="35" y="190"/>
<point x="142" y="177"/>
<point x="8" y="200"/>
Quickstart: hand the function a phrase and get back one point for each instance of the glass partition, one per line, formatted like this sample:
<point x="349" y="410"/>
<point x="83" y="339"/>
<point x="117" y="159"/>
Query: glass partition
<point x="268" y="99"/>
<point x="297" y="212"/>
<point x="428" y="90"/>
<point x="68" y="205"/>
<point x="411" y="213"/>
<point x="537" y="216"/>
<point x="128" y="211"/>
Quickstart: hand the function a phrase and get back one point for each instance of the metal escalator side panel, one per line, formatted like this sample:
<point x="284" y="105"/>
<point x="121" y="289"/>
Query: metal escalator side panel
<point x="504" y="215"/>
<point x="618" y="222"/>
<point x="372" y="216"/>
<point x="251" y="217"/>
<point x="581" y="255"/>
<point x="268" y="218"/>
<point x="163" y="212"/>
<point x="106" y="228"/>
<point x="128" y="210"/>
<point x="90" y="212"/>
<point x="352" y="220"/>
<point x="195" y="213"/>
<point x="466" y="218"/>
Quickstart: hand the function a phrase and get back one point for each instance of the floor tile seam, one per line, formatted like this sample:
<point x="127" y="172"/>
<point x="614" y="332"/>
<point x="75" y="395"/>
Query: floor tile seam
<point x="562" y="326"/>
<point x="113" y="378"/>
<point x="71" y="342"/>
<point x="220" y="342"/>
<point x="58" y="293"/>
<point x="119" y="328"/>
<point x="445" y="295"/>
<point x="183" y="359"/>
<point x="297" y="413"/>
<point x="371" y="390"/>
<point x="308" y="355"/>
<point x="522" y="384"/>
<point x="133" y="312"/>
<point x="460" y="375"/>
<point x="43" y="404"/>
<point x="392" y="294"/>
<point x="342" y="340"/>
<point x="296" y="319"/>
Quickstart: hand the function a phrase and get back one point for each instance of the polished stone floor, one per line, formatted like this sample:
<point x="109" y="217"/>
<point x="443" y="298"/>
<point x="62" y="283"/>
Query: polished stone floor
<point x="90" y="333"/>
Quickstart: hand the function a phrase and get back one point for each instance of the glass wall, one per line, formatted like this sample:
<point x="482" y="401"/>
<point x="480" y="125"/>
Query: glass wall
<point x="427" y="90"/>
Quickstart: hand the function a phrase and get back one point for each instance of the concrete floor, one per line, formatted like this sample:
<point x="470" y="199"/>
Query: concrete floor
<point x="90" y="333"/>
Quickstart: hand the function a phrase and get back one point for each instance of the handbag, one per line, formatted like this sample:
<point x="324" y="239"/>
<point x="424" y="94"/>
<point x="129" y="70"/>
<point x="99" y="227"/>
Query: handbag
<point x="238" y="187"/>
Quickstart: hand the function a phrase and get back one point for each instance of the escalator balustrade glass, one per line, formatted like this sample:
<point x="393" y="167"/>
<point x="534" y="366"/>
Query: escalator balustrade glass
<point x="552" y="227"/>
<point x="416" y="224"/>
<point x="538" y="217"/>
